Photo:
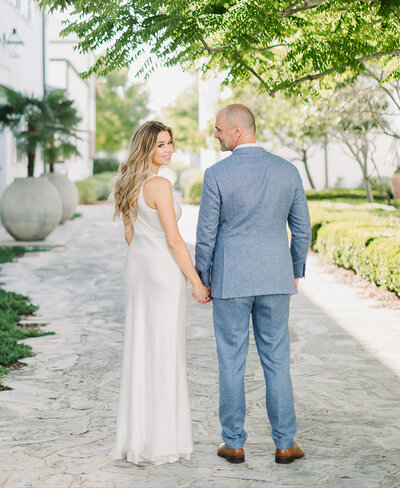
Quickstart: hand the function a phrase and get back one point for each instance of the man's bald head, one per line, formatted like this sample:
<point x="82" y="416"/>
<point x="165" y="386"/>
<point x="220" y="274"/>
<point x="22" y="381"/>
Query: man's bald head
<point x="235" y="125"/>
<point x="239" y="114"/>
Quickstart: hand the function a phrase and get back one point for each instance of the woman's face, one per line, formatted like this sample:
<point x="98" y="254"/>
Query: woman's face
<point x="164" y="149"/>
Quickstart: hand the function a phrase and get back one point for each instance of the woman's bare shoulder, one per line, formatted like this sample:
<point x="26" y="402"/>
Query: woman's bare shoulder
<point x="158" y="183"/>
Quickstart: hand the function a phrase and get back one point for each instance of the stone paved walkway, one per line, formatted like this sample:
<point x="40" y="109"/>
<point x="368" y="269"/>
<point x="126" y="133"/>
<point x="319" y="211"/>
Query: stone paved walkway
<point x="57" y="423"/>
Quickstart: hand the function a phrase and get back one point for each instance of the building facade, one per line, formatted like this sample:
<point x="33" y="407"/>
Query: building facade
<point x="45" y="62"/>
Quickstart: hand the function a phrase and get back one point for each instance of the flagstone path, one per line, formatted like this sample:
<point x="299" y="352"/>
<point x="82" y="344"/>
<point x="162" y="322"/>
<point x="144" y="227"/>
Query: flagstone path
<point x="58" y="421"/>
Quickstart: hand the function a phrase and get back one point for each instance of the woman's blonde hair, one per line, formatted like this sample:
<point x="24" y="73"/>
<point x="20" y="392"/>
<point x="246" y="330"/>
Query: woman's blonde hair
<point x="136" y="170"/>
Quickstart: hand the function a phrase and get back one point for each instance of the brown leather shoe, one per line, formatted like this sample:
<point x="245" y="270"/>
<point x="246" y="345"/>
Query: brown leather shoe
<point x="235" y="456"/>
<point x="287" y="456"/>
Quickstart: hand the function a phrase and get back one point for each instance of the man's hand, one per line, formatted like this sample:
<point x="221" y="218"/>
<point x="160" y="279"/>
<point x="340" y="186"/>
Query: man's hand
<point x="206" y="300"/>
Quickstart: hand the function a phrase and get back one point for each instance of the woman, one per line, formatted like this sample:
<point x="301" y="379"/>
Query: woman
<point x="154" y="422"/>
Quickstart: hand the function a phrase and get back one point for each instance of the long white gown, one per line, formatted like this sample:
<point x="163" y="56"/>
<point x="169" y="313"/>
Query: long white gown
<point x="154" y="423"/>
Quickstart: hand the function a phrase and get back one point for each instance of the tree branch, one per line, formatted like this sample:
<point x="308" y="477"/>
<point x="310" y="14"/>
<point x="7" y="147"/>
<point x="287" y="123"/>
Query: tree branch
<point x="332" y="70"/>
<point x="290" y="8"/>
<point x="252" y="71"/>
<point x="267" y="48"/>
<point x="293" y="9"/>
<point x="395" y="14"/>
<point x="382" y="87"/>
<point x="213" y="50"/>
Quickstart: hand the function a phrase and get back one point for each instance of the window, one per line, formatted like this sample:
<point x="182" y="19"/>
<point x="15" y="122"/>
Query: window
<point x="24" y="7"/>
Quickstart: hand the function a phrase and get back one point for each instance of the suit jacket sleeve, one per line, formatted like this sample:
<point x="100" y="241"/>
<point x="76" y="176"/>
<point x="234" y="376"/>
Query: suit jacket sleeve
<point x="207" y="227"/>
<point x="300" y="227"/>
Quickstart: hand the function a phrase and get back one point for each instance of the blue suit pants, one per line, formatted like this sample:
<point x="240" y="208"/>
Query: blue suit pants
<point x="270" y="314"/>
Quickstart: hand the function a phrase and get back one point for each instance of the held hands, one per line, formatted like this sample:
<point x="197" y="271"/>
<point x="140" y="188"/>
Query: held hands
<point x="201" y="293"/>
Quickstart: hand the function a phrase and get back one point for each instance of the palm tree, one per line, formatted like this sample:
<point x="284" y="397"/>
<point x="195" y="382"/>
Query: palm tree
<point x="63" y="129"/>
<point x="50" y="123"/>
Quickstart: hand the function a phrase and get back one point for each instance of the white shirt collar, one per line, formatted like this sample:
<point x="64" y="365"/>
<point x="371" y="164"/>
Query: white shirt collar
<point x="248" y="144"/>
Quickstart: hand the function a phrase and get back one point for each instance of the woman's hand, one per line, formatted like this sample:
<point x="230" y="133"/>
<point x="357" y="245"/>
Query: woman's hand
<point x="201" y="293"/>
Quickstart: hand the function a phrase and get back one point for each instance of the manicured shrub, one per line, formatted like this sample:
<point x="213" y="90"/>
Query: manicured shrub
<point x="380" y="263"/>
<point x="343" y="194"/>
<point x="103" y="182"/>
<point x="101" y="165"/>
<point x="95" y="188"/>
<point x="193" y="192"/>
<point x="87" y="191"/>
<point x="187" y="177"/>
<point x="363" y="238"/>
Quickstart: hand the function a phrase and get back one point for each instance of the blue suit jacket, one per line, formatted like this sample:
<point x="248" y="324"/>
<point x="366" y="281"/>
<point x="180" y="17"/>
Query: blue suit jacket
<point x="242" y="246"/>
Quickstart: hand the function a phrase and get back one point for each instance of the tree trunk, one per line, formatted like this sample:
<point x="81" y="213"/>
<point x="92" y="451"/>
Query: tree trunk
<point x="31" y="154"/>
<point x="51" y="168"/>
<point x="31" y="163"/>
<point x="367" y="183"/>
<point x="326" y="162"/>
<point x="305" y="161"/>
<point x="364" y="166"/>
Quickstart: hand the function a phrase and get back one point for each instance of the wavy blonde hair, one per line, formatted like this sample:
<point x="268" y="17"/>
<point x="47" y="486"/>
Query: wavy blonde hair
<point x="133" y="173"/>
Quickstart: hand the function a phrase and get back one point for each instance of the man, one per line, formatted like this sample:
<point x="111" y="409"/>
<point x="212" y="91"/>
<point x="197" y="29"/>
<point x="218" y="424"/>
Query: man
<point x="242" y="252"/>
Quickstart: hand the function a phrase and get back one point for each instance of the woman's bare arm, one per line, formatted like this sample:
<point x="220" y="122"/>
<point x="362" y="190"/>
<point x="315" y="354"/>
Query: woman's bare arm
<point x="158" y="193"/>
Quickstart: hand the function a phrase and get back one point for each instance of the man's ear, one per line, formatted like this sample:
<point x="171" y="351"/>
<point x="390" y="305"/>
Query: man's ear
<point x="238" y="130"/>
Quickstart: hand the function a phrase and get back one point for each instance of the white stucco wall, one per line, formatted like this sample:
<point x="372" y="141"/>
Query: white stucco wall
<point x="64" y="66"/>
<point x="23" y="73"/>
<point x="26" y="74"/>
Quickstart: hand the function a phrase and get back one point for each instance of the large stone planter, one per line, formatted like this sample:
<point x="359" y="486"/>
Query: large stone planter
<point x="30" y="209"/>
<point x="68" y="194"/>
<point x="396" y="185"/>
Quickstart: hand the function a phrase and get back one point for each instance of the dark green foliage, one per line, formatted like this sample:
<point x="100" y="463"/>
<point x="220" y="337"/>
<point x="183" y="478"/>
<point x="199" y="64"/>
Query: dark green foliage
<point x="342" y="194"/>
<point x="11" y="351"/>
<point x="9" y="253"/>
<point x="100" y="165"/>
<point x="49" y="122"/>
<point x="13" y="306"/>
<point x="359" y="237"/>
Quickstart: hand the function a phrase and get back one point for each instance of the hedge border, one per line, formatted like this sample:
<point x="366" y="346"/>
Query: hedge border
<point x="363" y="238"/>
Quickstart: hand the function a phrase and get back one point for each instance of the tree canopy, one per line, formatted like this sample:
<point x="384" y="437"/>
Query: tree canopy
<point x="120" y="108"/>
<point x="282" y="43"/>
<point x="183" y="117"/>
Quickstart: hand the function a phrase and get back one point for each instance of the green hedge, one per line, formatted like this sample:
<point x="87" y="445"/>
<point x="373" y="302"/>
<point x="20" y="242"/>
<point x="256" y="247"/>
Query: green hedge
<point x="343" y="194"/>
<point x="102" y="165"/>
<point x="193" y="192"/>
<point x="95" y="188"/>
<point x="363" y="238"/>
<point x="188" y="177"/>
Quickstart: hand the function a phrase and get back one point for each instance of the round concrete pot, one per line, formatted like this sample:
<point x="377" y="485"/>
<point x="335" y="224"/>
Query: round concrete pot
<point x="30" y="209"/>
<point x="396" y="185"/>
<point x="68" y="194"/>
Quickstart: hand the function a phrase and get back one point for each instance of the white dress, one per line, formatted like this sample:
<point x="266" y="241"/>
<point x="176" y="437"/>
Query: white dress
<point x="154" y="423"/>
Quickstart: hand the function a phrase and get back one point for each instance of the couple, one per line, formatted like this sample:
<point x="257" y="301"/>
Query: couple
<point x="242" y="258"/>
